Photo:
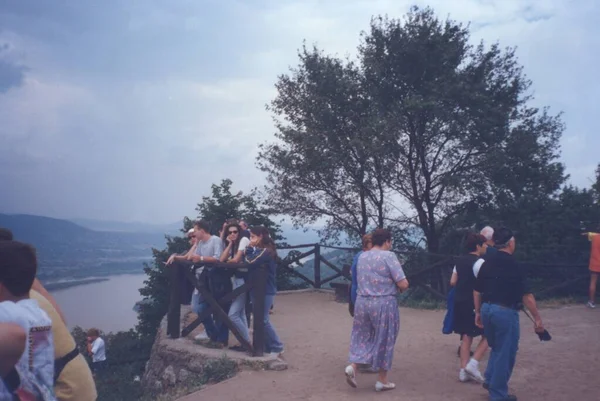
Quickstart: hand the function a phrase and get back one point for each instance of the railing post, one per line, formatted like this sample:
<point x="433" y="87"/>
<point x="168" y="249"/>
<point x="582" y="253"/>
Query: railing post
<point x="258" y="304"/>
<point x="317" y="266"/>
<point x="174" y="315"/>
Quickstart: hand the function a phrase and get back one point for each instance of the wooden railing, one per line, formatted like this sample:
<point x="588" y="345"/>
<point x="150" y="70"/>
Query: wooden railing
<point x="256" y="282"/>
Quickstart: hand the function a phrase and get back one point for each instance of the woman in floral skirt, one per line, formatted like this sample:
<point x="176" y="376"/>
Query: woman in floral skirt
<point x="376" y="314"/>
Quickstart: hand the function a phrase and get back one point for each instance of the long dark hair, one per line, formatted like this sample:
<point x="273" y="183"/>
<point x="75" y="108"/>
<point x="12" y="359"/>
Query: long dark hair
<point x="266" y="240"/>
<point x="236" y="244"/>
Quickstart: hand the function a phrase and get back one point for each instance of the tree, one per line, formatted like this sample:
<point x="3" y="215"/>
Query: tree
<point x="432" y="118"/>
<point x="323" y="166"/>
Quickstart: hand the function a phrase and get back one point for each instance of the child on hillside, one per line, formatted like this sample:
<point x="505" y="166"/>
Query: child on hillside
<point x="33" y="376"/>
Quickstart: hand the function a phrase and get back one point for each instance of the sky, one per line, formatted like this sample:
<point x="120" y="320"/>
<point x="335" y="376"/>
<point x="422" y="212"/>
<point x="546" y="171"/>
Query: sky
<point x="129" y="110"/>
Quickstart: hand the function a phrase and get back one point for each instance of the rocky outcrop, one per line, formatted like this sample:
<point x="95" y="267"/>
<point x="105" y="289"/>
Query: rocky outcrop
<point x="179" y="361"/>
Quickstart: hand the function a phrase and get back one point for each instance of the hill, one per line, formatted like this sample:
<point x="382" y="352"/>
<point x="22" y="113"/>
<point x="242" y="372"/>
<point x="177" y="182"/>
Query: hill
<point x="67" y="250"/>
<point x="131" y="227"/>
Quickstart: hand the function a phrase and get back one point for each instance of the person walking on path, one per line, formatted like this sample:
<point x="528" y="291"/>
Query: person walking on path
<point x="463" y="279"/>
<point x="594" y="238"/>
<point x="500" y="287"/>
<point x="376" y="315"/>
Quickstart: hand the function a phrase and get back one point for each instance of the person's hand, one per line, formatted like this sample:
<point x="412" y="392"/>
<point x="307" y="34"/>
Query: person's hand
<point x="478" y="321"/>
<point x="171" y="259"/>
<point x="538" y="326"/>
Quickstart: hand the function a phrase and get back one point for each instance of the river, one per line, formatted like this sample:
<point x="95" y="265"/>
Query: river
<point x="107" y="305"/>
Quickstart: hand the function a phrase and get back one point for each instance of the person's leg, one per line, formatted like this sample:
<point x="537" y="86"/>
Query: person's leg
<point x="506" y="341"/>
<point x="237" y="312"/>
<point x="592" y="292"/>
<point x="489" y="332"/>
<point x="199" y="306"/>
<point x="272" y="341"/>
<point x="481" y="349"/>
<point x="465" y="350"/>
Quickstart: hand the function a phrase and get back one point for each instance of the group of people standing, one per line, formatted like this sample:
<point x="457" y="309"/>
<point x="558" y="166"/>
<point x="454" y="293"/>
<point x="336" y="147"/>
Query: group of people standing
<point x="237" y="243"/>
<point x="39" y="358"/>
<point x="491" y="289"/>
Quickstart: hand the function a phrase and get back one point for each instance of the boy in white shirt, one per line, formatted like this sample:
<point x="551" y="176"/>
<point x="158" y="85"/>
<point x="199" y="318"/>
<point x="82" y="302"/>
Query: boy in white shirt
<point x="96" y="349"/>
<point x="33" y="376"/>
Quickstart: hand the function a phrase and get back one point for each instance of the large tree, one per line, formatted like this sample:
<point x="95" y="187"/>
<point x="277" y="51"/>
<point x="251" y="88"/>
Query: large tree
<point x="420" y="129"/>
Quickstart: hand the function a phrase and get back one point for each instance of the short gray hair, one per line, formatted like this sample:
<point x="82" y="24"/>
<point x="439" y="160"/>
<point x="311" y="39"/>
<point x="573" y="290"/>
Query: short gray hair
<point x="487" y="232"/>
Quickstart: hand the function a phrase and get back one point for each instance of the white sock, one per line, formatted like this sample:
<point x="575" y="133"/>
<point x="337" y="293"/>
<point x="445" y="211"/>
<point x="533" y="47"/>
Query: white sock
<point x="474" y="362"/>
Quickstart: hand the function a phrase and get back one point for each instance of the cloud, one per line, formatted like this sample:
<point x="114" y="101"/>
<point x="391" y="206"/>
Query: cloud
<point x="130" y="110"/>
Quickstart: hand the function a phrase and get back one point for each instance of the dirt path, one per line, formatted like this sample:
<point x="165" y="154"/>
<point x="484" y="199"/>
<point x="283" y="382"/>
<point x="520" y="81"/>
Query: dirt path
<point x="316" y="332"/>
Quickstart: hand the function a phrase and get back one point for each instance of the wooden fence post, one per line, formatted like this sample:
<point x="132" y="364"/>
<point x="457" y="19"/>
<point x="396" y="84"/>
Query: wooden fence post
<point x="317" y="266"/>
<point x="174" y="315"/>
<point x="258" y="305"/>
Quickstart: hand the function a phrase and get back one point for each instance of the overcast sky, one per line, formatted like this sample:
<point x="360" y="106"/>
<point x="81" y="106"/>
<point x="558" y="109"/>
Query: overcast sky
<point x="128" y="110"/>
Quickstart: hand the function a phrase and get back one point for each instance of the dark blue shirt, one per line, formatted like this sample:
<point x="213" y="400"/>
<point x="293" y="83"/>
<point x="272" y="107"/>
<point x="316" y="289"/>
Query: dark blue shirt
<point x="354" y="286"/>
<point x="257" y="257"/>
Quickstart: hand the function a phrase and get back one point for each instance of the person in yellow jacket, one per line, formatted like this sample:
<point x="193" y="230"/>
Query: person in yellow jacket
<point x="74" y="381"/>
<point x="594" y="238"/>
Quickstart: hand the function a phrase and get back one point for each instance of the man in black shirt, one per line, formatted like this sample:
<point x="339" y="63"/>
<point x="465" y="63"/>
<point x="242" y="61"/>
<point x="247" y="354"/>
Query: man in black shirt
<point x="500" y="288"/>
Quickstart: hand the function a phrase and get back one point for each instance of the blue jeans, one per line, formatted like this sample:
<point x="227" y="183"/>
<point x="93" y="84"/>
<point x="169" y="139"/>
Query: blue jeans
<point x="237" y="311"/>
<point x="272" y="341"/>
<point x="502" y="330"/>
<point x="216" y="332"/>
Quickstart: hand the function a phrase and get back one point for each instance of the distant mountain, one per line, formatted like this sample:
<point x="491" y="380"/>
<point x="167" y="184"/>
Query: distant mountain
<point x="68" y="250"/>
<point x="132" y="227"/>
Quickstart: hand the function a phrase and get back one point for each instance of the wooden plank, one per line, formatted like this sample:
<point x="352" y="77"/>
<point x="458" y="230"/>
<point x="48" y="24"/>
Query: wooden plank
<point x="317" y="266"/>
<point x="217" y="310"/>
<point x="298" y="274"/>
<point x="227" y="298"/>
<point x="296" y="246"/>
<point x="332" y="266"/>
<point x="259" y="281"/>
<point x="328" y="279"/>
<point x="561" y="285"/>
<point x="174" y="314"/>
<point x="297" y="258"/>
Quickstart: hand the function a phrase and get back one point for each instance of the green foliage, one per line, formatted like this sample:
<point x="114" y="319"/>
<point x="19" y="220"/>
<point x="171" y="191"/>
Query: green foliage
<point x="423" y="117"/>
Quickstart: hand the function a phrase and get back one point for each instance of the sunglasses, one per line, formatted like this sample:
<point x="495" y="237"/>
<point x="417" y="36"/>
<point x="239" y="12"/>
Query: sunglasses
<point x="233" y="232"/>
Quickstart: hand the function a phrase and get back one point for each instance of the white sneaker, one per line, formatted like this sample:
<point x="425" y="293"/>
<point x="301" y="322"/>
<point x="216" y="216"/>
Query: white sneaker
<point x="379" y="386"/>
<point x="463" y="377"/>
<point x="472" y="370"/>
<point x="591" y="305"/>
<point x="350" y="376"/>
<point x="202" y="337"/>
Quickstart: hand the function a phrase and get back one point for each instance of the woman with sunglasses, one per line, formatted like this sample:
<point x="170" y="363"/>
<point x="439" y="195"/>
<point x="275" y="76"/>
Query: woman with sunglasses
<point x="233" y="253"/>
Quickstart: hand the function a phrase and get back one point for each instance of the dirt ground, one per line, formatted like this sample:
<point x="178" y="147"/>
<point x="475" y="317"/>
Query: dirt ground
<point x="316" y="332"/>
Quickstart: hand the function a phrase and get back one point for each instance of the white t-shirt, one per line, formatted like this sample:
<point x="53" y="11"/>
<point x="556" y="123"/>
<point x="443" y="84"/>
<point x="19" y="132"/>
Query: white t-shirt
<point x="98" y="350"/>
<point x="36" y="366"/>
<point x="244" y="242"/>
<point x="476" y="267"/>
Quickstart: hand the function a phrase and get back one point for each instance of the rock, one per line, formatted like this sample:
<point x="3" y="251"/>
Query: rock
<point x="184" y="375"/>
<point x="169" y="376"/>
<point x="158" y="385"/>
<point x="277" y="365"/>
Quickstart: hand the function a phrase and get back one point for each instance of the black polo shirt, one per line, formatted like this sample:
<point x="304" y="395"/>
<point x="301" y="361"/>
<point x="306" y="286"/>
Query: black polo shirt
<point x="502" y="280"/>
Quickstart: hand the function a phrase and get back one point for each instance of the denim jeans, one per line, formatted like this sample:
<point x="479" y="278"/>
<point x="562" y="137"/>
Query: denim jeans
<point x="272" y="341"/>
<point x="216" y="332"/>
<point x="502" y="330"/>
<point x="237" y="311"/>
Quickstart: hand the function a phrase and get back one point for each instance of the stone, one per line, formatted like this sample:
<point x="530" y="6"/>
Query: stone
<point x="169" y="376"/>
<point x="158" y="385"/>
<point x="277" y="365"/>
<point x="184" y="375"/>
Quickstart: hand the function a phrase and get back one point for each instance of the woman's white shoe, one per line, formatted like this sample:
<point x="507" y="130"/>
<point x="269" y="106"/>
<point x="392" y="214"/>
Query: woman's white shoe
<point x="350" y="376"/>
<point x="379" y="386"/>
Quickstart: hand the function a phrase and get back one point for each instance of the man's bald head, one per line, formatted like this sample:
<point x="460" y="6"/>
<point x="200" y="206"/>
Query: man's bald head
<point x="488" y="233"/>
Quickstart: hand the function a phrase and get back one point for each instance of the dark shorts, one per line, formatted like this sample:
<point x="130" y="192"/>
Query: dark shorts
<point x="464" y="320"/>
<point x="98" y="366"/>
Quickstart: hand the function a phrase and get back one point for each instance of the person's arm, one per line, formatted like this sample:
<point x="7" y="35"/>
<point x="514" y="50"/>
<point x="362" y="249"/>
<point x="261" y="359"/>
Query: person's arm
<point x="12" y="346"/>
<point x="215" y="256"/>
<point x="37" y="286"/>
<point x="530" y="304"/>
<point x="244" y="242"/>
<point x="454" y="277"/>
<point x="226" y="252"/>
<point x="478" y="288"/>
<point x="396" y="271"/>
<point x="354" y="277"/>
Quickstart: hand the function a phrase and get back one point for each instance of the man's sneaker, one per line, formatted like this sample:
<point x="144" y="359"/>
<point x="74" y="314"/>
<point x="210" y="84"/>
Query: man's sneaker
<point x="379" y="386"/>
<point x="463" y="377"/>
<point x="591" y="305"/>
<point x="202" y="337"/>
<point x="472" y="370"/>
